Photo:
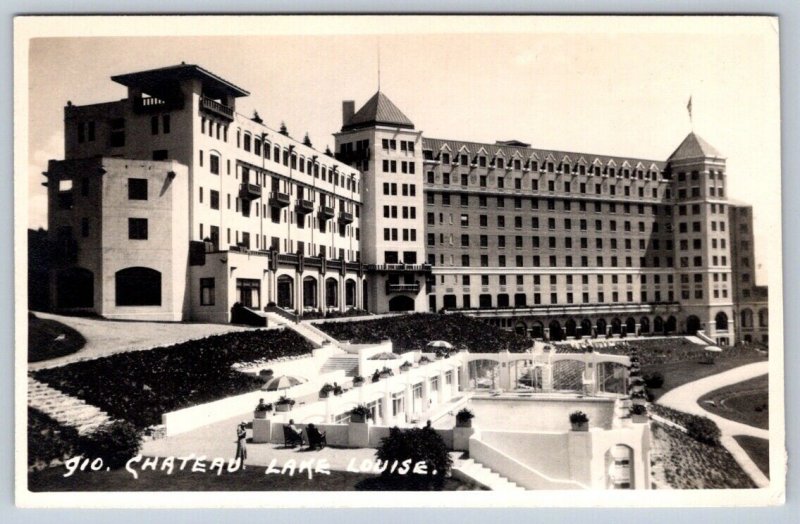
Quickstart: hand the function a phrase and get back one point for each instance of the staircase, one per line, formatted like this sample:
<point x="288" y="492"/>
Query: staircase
<point x="479" y="474"/>
<point x="67" y="410"/>
<point x="349" y="363"/>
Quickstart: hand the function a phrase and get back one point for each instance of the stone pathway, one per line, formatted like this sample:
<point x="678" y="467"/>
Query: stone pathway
<point x="685" y="398"/>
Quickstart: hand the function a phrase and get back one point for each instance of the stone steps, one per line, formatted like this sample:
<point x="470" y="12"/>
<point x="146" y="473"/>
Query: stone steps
<point x="349" y="363"/>
<point x="484" y="476"/>
<point x="65" y="409"/>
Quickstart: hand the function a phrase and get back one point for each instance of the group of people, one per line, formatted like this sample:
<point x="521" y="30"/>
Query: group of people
<point x="293" y="435"/>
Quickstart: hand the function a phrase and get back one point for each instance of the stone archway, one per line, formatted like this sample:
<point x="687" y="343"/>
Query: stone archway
<point x="692" y="325"/>
<point x="401" y="303"/>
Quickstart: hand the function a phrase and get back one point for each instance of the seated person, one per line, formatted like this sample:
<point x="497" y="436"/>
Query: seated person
<point x="316" y="438"/>
<point x="292" y="435"/>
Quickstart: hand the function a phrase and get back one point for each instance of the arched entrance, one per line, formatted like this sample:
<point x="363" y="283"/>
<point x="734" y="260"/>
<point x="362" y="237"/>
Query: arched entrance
<point x="350" y="293"/>
<point x="310" y="292"/>
<point x="630" y="326"/>
<point x="571" y="328"/>
<point x="556" y="333"/>
<point x="763" y="318"/>
<point x="658" y="326"/>
<point x="537" y="329"/>
<point x="644" y="325"/>
<point x="601" y="327"/>
<point x="671" y="326"/>
<point x="286" y="292"/>
<point x="520" y="328"/>
<point x="616" y="326"/>
<point x="692" y="325"/>
<point x="721" y="321"/>
<point x="502" y="300"/>
<point x="401" y="303"/>
<point x="331" y="293"/>
<point x="586" y="327"/>
<point x="75" y="288"/>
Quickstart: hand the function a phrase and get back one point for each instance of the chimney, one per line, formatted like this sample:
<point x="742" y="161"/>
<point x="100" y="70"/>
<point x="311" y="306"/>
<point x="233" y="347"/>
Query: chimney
<point x="348" y="110"/>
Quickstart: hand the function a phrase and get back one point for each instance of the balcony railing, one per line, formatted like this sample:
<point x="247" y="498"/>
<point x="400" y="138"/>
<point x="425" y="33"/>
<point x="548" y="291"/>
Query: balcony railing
<point x="345" y="217"/>
<point x="401" y="268"/>
<point x="326" y="212"/>
<point x="302" y="205"/>
<point x="152" y="104"/>
<point x="249" y="191"/>
<point x="212" y="106"/>
<point x="403" y="288"/>
<point x="278" y="199"/>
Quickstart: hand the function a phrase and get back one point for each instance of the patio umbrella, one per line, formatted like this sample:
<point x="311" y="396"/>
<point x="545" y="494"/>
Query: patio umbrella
<point x="281" y="382"/>
<point x="384" y="356"/>
<point x="713" y="349"/>
<point x="440" y="344"/>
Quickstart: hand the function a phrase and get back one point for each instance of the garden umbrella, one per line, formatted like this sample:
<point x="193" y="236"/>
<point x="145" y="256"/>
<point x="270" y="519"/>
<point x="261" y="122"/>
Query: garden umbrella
<point x="282" y="382"/>
<point x="384" y="356"/>
<point x="440" y="344"/>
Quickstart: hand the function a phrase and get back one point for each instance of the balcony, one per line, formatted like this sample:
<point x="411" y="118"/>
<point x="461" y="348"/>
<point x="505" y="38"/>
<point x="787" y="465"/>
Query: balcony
<point x="303" y="206"/>
<point x="249" y="191"/>
<point x="152" y="104"/>
<point x="399" y="268"/>
<point x="215" y="108"/>
<point x="326" y="212"/>
<point x="402" y="288"/>
<point x="278" y="199"/>
<point x="345" y="217"/>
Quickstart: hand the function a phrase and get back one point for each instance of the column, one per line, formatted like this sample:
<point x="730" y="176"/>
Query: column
<point x="426" y="394"/>
<point x="387" y="408"/>
<point x="444" y="395"/>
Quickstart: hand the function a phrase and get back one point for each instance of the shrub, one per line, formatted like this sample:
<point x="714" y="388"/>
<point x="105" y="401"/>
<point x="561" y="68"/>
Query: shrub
<point x="703" y="430"/>
<point x="578" y="417"/>
<point x="358" y="379"/>
<point x="639" y="409"/>
<point x="115" y="443"/>
<point x="464" y="415"/>
<point x="418" y="445"/>
<point x="654" y="380"/>
<point x="49" y="441"/>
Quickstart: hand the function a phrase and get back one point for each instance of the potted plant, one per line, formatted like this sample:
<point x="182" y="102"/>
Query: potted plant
<point x="337" y="389"/>
<point x="579" y="421"/>
<point x="376" y="376"/>
<point x="424" y="359"/>
<point x="639" y="396"/>
<point x="360" y="414"/>
<point x="284" y="404"/>
<point x="386" y="373"/>
<point x="639" y="413"/>
<point x="265" y="374"/>
<point x="325" y="391"/>
<point x="405" y="366"/>
<point x="464" y="418"/>
<point x="358" y="381"/>
<point x="262" y="409"/>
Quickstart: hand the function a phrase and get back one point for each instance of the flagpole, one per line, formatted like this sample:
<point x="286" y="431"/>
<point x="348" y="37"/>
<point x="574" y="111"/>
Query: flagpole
<point x="689" y="109"/>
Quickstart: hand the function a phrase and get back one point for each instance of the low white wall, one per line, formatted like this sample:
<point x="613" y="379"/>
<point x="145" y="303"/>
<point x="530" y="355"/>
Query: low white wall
<point x="547" y="453"/>
<point x="514" y="470"/>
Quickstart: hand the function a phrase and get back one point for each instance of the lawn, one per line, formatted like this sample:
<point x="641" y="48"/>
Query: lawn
<point x="681" y="462"/>
<point x="49" y="339"/>
<point x="251" y="479"/>
<point x="745" y="402"/>
<point x="682" y="372"/>
<point x="758" y="449"/>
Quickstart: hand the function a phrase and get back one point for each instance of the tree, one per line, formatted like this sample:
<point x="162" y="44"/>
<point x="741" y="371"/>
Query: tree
<point x="416" y="445"/>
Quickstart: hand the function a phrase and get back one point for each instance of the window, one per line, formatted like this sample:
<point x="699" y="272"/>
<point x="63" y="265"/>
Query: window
<point x="138" y="286"/>
<point x="207" y="291"/>
<point x="137" y="189"/>
<point x="137" y="228"/>
<point x="214" y="199"/>
<point x="214" y="164"/>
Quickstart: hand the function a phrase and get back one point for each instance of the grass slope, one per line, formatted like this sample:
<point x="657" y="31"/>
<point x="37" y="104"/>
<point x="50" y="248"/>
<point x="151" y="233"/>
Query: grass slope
<point x="745" y="402"/>
<point x="757" y="449"/>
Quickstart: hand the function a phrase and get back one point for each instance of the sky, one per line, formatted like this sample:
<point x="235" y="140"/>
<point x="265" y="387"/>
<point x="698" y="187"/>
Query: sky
<point x="604" y="86"/>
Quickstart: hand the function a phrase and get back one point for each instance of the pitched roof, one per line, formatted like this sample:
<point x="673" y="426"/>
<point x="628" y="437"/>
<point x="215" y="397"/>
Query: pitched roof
<point x="694" y="147"/>
<point x="378" y="110"/>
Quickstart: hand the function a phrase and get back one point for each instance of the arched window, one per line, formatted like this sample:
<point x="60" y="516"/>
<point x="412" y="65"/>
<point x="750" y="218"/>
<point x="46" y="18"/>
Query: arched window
<point x="763" y="318"/>
<point x="721" y="322"/>
<point x="331" y="292"/>
<point x="309" y="292"/>
<point x="747" y="318"/>
<point x="138" y="286"/>
<point x="350" y="293"/>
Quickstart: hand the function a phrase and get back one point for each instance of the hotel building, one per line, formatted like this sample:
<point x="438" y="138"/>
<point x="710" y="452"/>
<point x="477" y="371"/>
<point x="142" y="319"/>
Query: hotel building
<point x="549" y="243"/>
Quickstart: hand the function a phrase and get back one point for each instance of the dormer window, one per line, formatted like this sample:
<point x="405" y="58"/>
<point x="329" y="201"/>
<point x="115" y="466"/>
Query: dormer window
<point x="464" y="160"/>
<point x="550" y="167"/>
<point x="500" y="163"/>
<point x="482" y="161"/>
<point x="445" y="158"/>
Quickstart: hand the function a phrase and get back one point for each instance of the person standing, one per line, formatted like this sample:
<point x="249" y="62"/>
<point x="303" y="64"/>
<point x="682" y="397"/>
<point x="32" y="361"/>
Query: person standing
<point x="241" y="444"/>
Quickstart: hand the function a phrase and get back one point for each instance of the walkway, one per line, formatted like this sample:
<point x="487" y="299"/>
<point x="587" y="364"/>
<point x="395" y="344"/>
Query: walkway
<point x="219" y="440"/>
<point x="685" y="398"/>
<point x="106" y="337"/>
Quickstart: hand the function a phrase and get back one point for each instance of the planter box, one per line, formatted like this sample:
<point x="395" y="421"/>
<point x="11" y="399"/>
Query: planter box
<point x="358" y="384"/>
<point x="464" y="424"/>
<point x="324" y="395"/>
<point x="283" y="407"/>
<point x="358" y="419"/>
<point x="260" y="414"/>
<point x="580" y="426"/>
